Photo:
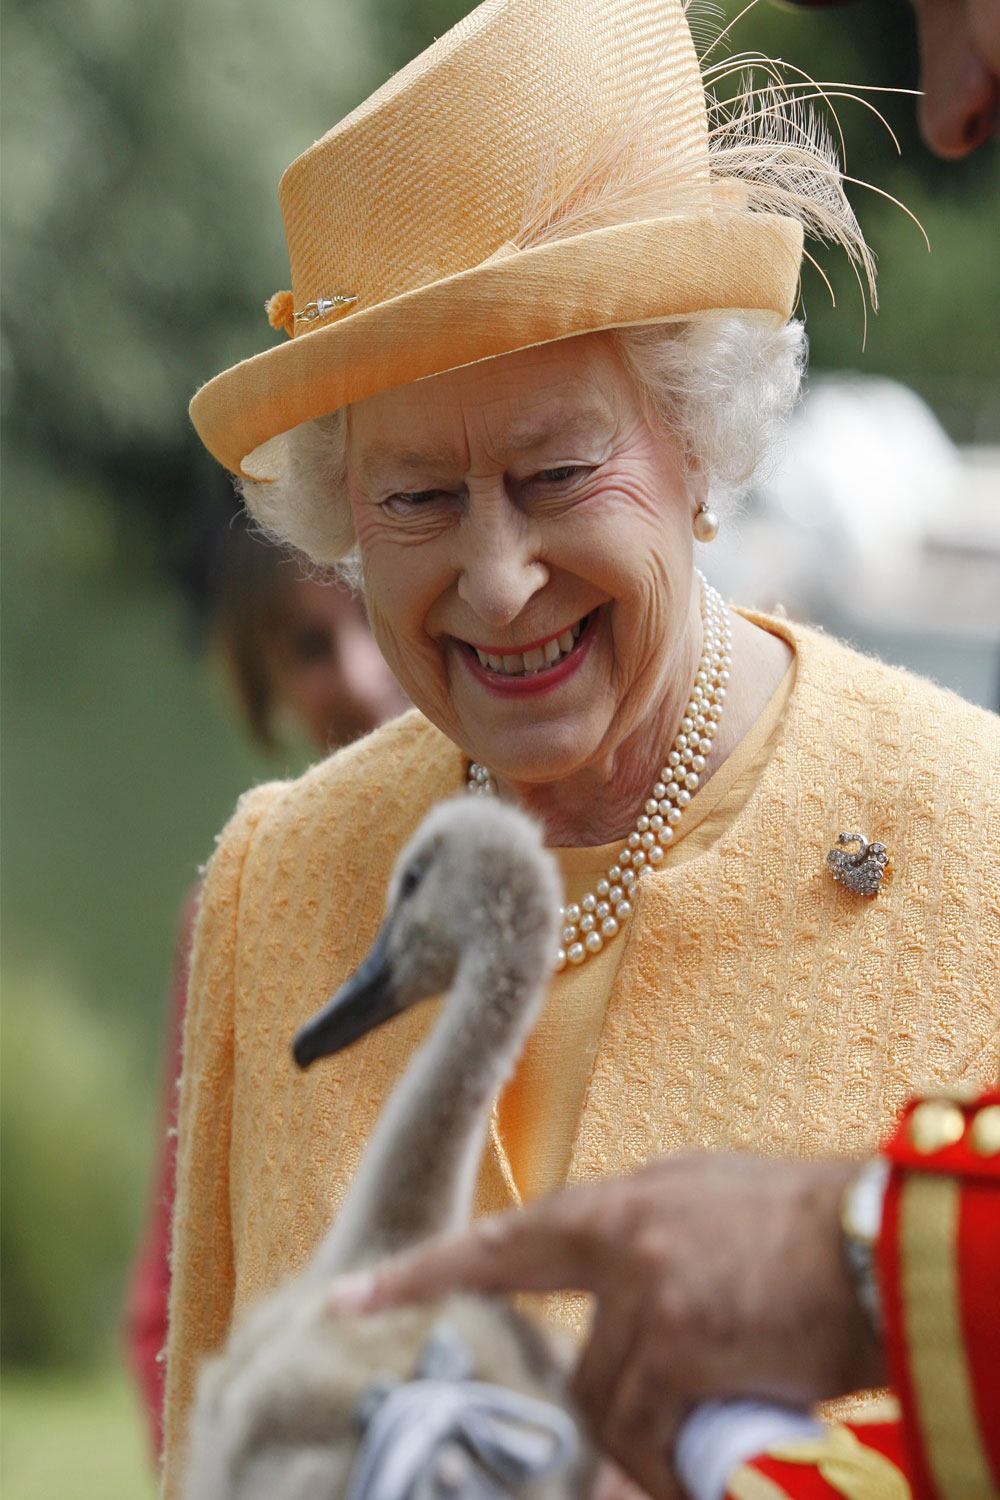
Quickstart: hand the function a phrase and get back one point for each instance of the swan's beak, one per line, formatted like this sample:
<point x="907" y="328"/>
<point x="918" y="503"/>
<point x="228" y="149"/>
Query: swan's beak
<point x="366" y="1000"/>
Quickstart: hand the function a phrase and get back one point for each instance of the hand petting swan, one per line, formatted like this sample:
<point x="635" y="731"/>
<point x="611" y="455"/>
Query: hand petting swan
<point x="464" y="1397"/>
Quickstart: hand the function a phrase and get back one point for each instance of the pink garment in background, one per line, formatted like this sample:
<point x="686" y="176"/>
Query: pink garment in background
<point x="148" y="1294"/>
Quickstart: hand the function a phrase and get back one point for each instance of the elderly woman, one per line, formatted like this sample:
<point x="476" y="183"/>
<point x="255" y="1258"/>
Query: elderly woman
<point x="539" y="327"/>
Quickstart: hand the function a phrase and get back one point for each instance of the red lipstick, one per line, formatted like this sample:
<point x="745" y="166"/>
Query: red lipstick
<point x="545" y="680"/>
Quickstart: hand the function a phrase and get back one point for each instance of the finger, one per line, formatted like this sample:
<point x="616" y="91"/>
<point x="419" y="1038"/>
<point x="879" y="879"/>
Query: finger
<point x="611" y="1342"/>
<point x="642" y="1424"/>
<point x="544" y="1248"/>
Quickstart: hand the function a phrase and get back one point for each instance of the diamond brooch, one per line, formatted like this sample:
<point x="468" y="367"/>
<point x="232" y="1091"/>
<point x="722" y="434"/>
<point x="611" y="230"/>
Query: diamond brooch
<point x="860" y="869"/>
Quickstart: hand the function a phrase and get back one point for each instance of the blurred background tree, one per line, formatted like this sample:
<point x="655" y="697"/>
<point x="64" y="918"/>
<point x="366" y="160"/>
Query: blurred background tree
<point x="142" y="148"/>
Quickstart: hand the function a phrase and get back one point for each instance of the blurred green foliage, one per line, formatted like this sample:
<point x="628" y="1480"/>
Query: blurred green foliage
<point x="120" y="763"/>
<point x="100" y="1451"/>
<point x="142" y="149"/>
<point x="121" y="760"/>
<point x="73" y="1161"/>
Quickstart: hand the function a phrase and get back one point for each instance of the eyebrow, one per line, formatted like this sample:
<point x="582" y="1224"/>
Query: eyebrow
<point x="534" y="433"/>
<point x="560" y="427"/>
<point x="376" y="468"/>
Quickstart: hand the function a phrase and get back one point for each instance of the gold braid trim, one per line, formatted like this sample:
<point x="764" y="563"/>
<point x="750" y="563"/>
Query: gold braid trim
<point x="939" y="1372"/>
<point x="746" y="1483"/>
<point x="849" y="1466"/>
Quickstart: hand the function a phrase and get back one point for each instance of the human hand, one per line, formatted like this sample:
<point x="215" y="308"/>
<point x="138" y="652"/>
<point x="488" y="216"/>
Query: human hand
<point x="714" y="1275"/>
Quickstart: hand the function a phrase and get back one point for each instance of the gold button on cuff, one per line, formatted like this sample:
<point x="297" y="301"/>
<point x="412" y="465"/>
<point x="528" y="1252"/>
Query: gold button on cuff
<point x="935" y="1124"/>
<point x="984" y="1130"/>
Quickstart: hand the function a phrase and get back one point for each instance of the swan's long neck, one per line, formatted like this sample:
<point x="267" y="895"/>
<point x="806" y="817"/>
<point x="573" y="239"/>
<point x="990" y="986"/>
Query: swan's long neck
<point x="418" y="1172"/>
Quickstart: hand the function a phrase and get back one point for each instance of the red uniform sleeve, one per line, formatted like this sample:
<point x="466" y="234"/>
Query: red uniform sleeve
<point x="938" y="1438"/>
<point x="939" y="1262"/>
<point x="148" y="1293"/>
<point x="862" y="1459"/>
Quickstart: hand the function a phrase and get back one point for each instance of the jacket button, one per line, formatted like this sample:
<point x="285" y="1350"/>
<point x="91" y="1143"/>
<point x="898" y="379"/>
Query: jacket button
<point x="984" y="1130"/>
<point x="934" y="1124"/>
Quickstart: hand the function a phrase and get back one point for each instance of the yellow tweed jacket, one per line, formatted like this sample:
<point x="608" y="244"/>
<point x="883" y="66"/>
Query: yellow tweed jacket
<point x="757" y="1003"/>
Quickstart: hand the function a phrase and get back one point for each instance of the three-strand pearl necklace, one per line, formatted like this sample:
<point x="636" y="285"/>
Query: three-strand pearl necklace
<point x="599" y="916"/>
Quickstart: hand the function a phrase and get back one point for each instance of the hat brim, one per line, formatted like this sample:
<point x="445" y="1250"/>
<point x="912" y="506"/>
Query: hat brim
<point x="655" y="270"/>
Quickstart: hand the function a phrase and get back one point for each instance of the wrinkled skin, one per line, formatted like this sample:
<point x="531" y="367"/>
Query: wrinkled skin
<point x="500" y="504"/>
<point x="713" y="1274"/>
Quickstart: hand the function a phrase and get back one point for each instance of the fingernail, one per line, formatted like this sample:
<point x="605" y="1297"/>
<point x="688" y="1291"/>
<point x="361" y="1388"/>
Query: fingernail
<point x="351" y="1293"/>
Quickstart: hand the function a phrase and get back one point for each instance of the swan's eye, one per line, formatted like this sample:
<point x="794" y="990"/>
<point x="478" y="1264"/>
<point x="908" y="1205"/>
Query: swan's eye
<point x="411" y="879"/>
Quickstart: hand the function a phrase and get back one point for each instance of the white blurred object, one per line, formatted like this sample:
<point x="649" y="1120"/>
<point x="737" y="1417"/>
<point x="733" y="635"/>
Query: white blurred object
<point x="875" y="524"/>
<point x="720" y="1435"/>
<point x="867" y="460"/>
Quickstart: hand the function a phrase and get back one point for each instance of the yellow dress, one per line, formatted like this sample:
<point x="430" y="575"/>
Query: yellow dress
<point x="751" y="1002"/>
<point x="540" y="1108"/>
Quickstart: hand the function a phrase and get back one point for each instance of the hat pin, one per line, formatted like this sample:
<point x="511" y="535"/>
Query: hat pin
<point x="322" y="306"/>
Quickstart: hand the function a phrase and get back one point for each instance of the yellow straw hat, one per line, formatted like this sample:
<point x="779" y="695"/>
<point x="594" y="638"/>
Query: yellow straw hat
<point x="541" y="171"/>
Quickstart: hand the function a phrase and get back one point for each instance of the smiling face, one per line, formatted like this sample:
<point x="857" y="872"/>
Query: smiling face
<point x="525" y="535"/>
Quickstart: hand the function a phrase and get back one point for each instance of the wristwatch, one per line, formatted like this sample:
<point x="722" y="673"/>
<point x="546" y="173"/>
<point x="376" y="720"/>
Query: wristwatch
<point x="860" y="1224"/>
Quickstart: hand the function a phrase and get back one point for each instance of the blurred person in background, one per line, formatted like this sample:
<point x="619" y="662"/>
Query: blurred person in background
<point x="465" y="398"/>
<point x="294" y="646"/>
<point x="297" y="658"/>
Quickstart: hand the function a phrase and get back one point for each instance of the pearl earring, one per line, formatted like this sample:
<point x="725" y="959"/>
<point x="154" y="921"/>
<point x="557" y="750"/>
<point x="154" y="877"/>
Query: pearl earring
<point x="705" y="524"/>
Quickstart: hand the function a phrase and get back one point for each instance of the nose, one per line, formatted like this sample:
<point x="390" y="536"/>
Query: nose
<point x="497" y="560"/>
<point x="954" y="127"/>
<point x="958" y="111"/>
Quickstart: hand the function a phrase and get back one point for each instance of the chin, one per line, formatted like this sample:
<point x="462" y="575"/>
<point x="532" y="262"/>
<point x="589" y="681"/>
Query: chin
<point x="539" y="753"/>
